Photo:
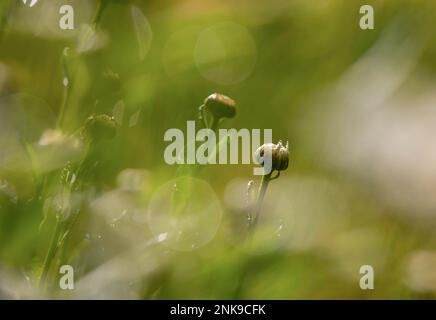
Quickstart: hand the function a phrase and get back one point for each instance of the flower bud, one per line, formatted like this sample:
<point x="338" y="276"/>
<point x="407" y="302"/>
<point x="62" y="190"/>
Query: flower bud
<point x="279" y="155"/>
<point x="99" y="127"/>
<point x="220" y="106"/>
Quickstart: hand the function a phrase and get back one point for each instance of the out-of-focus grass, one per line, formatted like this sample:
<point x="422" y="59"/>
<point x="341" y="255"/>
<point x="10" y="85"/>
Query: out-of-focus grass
<point x="353" y="194"/>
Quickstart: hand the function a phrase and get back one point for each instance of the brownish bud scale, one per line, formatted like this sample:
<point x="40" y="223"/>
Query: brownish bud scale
<point x="279" y="155"/>
<point x="220" y="106"/>
<point x="99" y="127"/>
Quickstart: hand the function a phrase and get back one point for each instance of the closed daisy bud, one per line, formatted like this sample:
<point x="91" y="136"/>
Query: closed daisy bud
<point x="279" y="155"/>
<point x="220" y="106"/>
<point x="100" y="127"/>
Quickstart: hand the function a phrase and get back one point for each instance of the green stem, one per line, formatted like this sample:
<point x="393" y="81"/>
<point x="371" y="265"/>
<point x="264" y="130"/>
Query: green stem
<point x="65" y="99"/>
<point x="60" y="235"/>
<point x="101" y="7"/>
<point x="6" y="9"/>
<point x="51" y="252"/>
<point x="214" y="124"/>
<point x="66" y="94"/>
<point x="260" y="196"/>
<point x="180" y="198"/>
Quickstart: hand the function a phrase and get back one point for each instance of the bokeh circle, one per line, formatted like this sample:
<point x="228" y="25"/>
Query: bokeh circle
<point x="184" y="213"/>
<point x="225" y="53"/>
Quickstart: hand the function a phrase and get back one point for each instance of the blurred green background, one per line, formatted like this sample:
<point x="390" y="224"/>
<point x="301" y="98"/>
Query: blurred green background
<point x="357" y="107"/>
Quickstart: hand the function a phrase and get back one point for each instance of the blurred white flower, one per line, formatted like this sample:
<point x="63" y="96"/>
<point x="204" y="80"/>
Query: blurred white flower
<point x="124" y="276"/>
<point x="51" y="136"/>
<point x="122" y="208"/>
<point x="14" y="286"/>
<point x="134" y="180"/>
<point x="378" y="128"/>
